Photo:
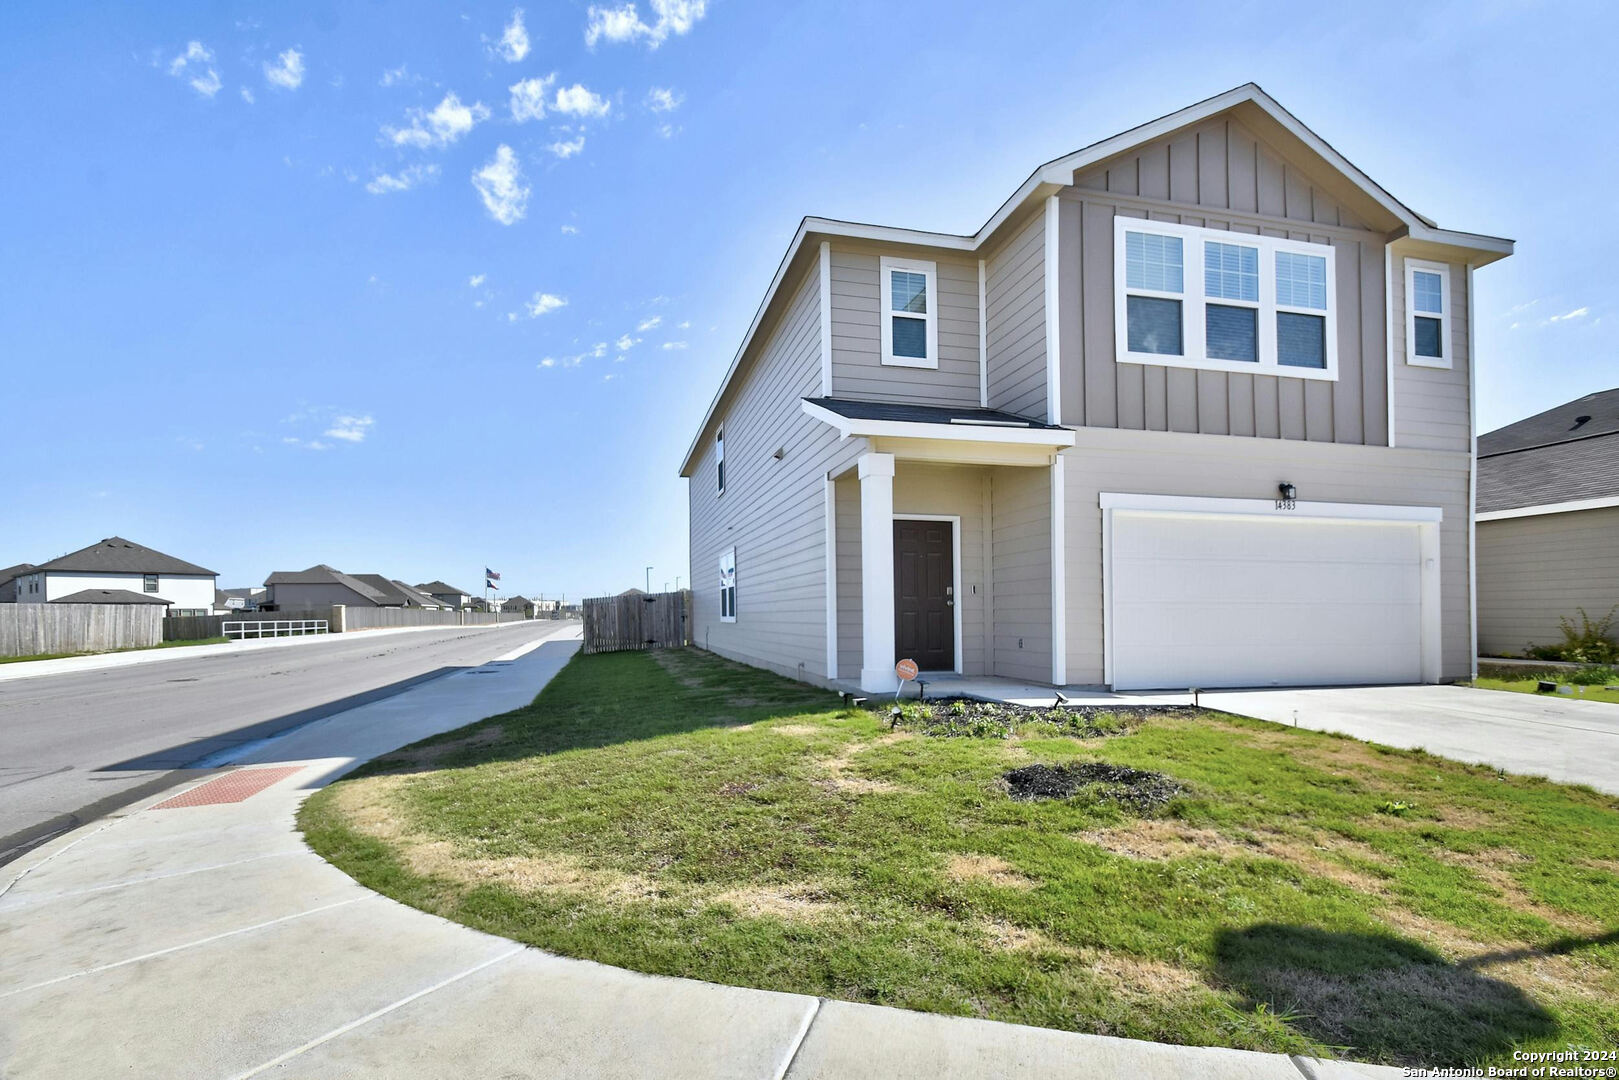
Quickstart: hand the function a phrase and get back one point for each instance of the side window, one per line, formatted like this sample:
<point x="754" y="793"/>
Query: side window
<point x="910" y="305"/>
<point x="728" y="586"/>
<point x="719" y="459"/>
<point x="149" y="582"/>
<point x="1427" y="314"/>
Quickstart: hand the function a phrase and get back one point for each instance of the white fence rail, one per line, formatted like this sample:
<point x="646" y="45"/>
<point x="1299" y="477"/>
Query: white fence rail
<point x="263" y="628"/>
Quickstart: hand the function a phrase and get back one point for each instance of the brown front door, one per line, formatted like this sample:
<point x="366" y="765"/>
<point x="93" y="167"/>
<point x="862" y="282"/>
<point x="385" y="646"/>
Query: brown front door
<point x="924" y="594"/>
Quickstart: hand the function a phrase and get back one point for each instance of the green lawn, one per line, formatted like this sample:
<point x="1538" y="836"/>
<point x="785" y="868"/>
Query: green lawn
<point x="1528" y="686"/>
<point x="678" y="814"/>
<point x="139" y="648"/>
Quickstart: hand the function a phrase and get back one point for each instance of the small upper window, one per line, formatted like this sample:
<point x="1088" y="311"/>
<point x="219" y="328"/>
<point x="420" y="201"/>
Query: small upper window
<point x="728" y="586"/>
<point x="149" y="582"/>
<point x="719" y="460"/>
<point x="1427" y="314"/>
<point x="1155" y="279"/>
<point x="910" y="303"/>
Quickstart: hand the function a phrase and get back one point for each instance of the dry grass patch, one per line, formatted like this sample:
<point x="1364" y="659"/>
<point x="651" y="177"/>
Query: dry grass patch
<point x="1162" y="840"/>
<point x="989" y="870"/>
<point x="1137" y="976"/>
<point x="804" y="901"/>
<point x="839" y="767"/>
<point x="1491" y="867"/>
<point x="1003" y="936"/>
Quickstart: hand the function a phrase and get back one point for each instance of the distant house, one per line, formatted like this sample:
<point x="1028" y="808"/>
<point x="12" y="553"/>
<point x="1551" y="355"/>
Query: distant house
<point x="416" y="598"/>
<point x="322" y="586"/>
<point x="109" y="596"/>
<point x="8" y="581"/>
<point x="520" y="605"/>
<point x="448" y="595"/>
<point x="115" y="565"/>
<point x="230" y="601"/>
<point x="397" y="593"/>
<point x="1548" y="523"/>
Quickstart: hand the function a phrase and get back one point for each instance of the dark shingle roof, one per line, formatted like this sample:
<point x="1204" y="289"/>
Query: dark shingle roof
<point x="438" y="588"/>
<point x="108" y="596"/>
<point x="321" y="574"/>
<point x="116" y="555"/>
<point x="15" y="571"/>
<point x="414" y="595"/>
<point x="1592" y="415"/>
<point x="924" y="414"/>
<point x="391" y="594"/>
<point x="1564" y="472"/>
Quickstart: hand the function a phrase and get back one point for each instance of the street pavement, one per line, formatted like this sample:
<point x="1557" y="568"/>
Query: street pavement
<point x="78" y="743"/>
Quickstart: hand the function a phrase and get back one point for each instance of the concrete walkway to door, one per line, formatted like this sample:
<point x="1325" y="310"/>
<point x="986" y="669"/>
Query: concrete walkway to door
<point x="1552" y="736"/>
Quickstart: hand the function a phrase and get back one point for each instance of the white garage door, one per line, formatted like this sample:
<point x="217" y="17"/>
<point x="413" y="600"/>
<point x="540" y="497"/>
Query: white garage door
<point x="1203" y="600"/>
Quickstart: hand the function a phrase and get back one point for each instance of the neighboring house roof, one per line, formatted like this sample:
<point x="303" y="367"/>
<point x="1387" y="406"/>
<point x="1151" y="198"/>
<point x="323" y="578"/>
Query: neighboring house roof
<point x="1277" y="123"/>
<point x="115" y="555"/>
<point x="17" y="571"/>
<point x="438" y="588"/>
<point x="1567" y="454"/>
<point x="515" y="603"/>
<point x="926" y="414"/>
<point x="415" y="596"/>
<point x="244" y="594"/>
<point x="109" y="596"/>
<point x="393" y="595"/>
<point x="321" y="574"/>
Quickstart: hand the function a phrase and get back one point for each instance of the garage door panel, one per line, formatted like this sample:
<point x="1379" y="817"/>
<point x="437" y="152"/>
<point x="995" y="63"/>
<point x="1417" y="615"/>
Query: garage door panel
<point x="1200" y="600"/>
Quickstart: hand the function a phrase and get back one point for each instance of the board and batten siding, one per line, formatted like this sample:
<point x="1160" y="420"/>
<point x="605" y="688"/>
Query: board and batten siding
<point x="1020" y="564"/>
<point x="1217" y="175"/>
<point x="1232" y="468"/>
<point x="1015" y="303"/>
<point x="1534" y="570"/>
<point x="773" y="510"/>
<point x="858" y="372"/>
<point x="1431" y="408"/>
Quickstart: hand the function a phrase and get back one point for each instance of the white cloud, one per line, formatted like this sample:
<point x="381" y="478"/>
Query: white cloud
<point x="1570" y="316"/>
<point x="394" y="76"/>
<point x="626" y="343"/>
<point x="528" y="98"/>
<point x="514" y="42"/>
<point x="500" y="185"/>
<point x="287" y="72"/>
<point x="595" y="352"/>
<point x="568" y="149"/>
<point x="475" y="280"/>
<point x="403" y="180"/>
<point x="650" y="324"/>
<point x="351" y="429"/>
<point x="446" y="123"/>
<point x="683" y="325"/>
<point x="662" y="99"/>
<point x="247" y="95"/>
<point x="671" y="345"/>
<point x="575" y="100"/>
<point x="196" y="66"/>
<point x="544" y="303"/>
<point x="570" y="230"/>
<point x="624" y="24"/>
<point x="668" y="131"/>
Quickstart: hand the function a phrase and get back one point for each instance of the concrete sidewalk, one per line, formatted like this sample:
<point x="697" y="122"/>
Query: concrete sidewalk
<point x="205" y="940"/>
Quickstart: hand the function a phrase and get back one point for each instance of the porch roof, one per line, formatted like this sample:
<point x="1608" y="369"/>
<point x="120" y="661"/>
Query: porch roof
<point x="897" y="420"/>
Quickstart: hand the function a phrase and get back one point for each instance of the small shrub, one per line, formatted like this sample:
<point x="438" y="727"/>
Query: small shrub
<point x="1591" y="642"/>
<point x="1397" y="809"/>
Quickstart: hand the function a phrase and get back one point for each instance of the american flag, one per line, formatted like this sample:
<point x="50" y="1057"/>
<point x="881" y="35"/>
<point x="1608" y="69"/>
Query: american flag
<point x="490" y="574"/>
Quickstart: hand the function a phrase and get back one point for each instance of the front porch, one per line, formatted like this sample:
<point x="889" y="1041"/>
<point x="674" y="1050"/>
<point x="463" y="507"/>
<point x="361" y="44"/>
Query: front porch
<point x="1017" y="692"/>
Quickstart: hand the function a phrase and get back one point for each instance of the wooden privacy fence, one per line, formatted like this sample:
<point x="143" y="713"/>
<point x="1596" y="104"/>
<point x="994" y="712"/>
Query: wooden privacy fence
<point x="35" y="629"/>
<point x="195" y="627"/>
<point x="637" y="621"/>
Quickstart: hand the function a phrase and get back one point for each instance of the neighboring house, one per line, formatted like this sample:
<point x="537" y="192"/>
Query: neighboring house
<point x="110" y="596"/>
<point x="1548" y="523"/>
<point x="522" y="605"/>
<point x="121" y="565"/>
<point x="397" y="593"/>
<point x="414" y="597"/>
<point x="322" y="586"/>
<point x="1191" y="409"/>
<point x="8" y="581"/>
<point x="230" y="601"/>
<point x="448" y="595"/>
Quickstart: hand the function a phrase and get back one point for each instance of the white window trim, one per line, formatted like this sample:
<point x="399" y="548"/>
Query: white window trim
<point x="1446" y="337"/>
<point x="728" y="555"/>
<point x="719" y="460"/>
<point x="1194" y="342"/>
<point x="885" y="264"/>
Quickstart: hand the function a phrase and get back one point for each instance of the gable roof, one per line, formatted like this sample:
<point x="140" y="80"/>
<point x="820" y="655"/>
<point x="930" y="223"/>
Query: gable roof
<point x="1583" y="418"/>
<point x="392" y="595"/>
<point x="1566" y="454"/>
<point x="115" y="555"/>
<point x="12" y="572"/>
<point x="321" y="574"/>
<point x="439" y="588"/>
<point x="1058" y="173"/>
<point x="109" y="596"/>
<point x="415" y="596"/>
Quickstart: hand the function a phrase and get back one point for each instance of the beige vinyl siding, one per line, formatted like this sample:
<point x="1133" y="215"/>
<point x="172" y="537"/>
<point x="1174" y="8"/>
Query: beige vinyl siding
<point x="1020" y="557"/>
<point x="1237" y="468"/>
<point x="1431" y="409"/>
<point x="1220" y="176"/>
<point x="772" y="511"/>
<point x="857" y="368"/>
<point x="1015" y="299"/>
<point x="1534" y="570"/>
<point x="850" y="626"/>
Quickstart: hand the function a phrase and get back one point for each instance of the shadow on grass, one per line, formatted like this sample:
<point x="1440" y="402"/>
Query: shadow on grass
<point x="1379" y="997"/>
<point x="613" y="698"/>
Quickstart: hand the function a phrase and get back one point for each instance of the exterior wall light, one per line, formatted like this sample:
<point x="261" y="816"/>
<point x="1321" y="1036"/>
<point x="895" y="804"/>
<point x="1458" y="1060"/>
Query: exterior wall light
<point x="1286" y="496"/>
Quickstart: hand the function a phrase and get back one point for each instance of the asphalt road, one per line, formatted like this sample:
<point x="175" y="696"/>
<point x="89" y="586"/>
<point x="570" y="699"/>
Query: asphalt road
<point x="75" y="746"/>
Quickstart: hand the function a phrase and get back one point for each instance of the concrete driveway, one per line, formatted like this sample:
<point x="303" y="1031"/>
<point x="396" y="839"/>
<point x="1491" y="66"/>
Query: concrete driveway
<point x="1551" y="736"/>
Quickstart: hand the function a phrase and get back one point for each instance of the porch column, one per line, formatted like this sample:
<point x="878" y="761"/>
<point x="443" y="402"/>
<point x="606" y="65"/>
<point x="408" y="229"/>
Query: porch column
<point x="877" y="574"/>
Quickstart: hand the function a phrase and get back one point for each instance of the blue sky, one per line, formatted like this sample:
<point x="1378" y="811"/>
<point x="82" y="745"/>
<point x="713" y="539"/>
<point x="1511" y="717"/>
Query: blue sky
<point x="324" y="287"/>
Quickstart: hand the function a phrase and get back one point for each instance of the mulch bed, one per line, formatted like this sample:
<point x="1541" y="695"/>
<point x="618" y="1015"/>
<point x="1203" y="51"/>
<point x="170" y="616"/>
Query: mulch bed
<point x="1134" y="789"/>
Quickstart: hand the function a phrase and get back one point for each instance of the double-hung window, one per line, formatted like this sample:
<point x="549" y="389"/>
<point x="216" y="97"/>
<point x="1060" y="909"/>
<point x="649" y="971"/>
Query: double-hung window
<point x="719" y="459"/>
<point x="149" y="582"/>
<point x="910" y="307"/>
<point x="1427" y="314"/>
<point x="728" y="586"/>
<point x="1192" y="297"/>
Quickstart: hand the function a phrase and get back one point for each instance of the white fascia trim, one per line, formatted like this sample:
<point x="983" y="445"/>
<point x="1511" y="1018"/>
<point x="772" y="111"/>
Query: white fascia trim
<point x="826" y="319"/>
<point x="831" y="495"/>
<point x="904" y="429"/>
<point x="1472" y="480"/>
<point x="955" y="555"/>
<point x="1200" y="504"/>
<point x="1388" y="333"/>
<point x="1603" y="503"/>
<point x="1059" y="573"/>
<point x="1053" y="329"/>
<point x="983" y="340"/>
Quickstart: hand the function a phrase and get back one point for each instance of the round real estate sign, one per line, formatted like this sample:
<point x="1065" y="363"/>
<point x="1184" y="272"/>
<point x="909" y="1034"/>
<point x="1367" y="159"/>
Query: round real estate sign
<point x="906" y="669"/>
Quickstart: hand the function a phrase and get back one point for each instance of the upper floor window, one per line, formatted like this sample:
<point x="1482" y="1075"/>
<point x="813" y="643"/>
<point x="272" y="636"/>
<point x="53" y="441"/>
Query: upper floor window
<point x="149" y="582"/>
<point x="728" y="586"/>
<point x="910" y="305"/>
<point x="1208" y="298"/>
<point x="1427" y="314"/>
<point x="719" y="459"/>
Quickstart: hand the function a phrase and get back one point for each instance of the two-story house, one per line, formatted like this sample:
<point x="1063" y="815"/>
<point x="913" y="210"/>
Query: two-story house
<point x="1192" y="408"/>
<point x="116" y="570"/>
